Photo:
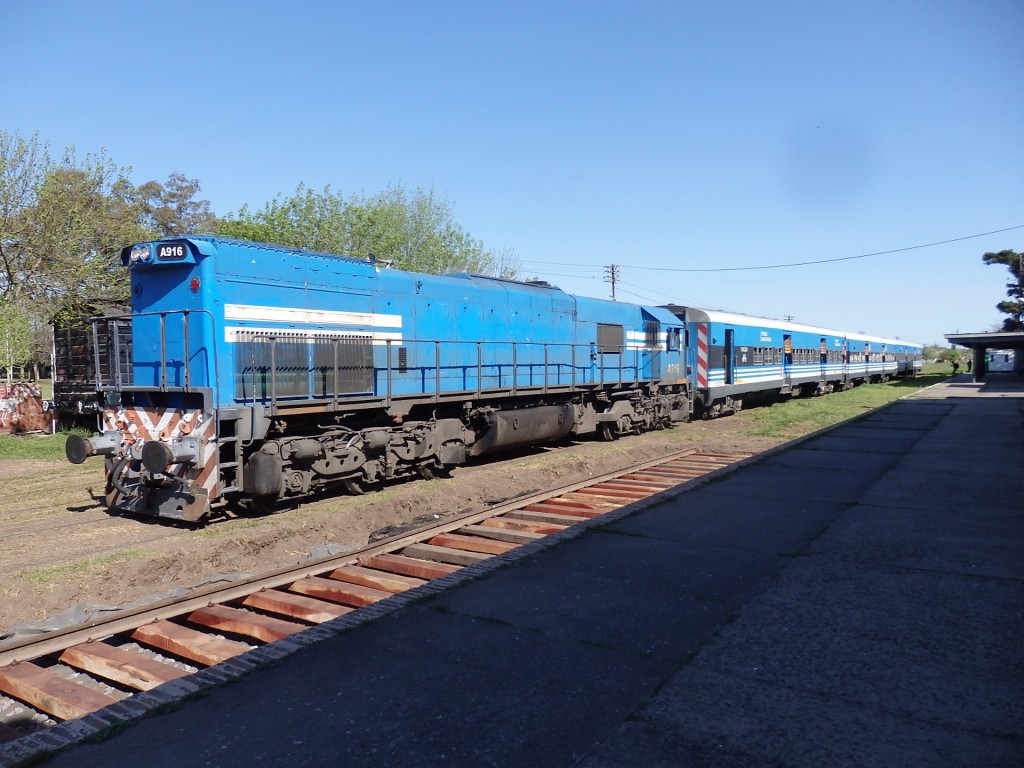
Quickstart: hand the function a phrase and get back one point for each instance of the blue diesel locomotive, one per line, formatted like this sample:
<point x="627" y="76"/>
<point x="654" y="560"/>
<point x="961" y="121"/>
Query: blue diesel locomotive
<point x="262" y="373"/>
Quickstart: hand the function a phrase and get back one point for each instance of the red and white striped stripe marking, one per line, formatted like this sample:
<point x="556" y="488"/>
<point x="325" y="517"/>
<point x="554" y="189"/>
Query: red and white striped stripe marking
<point x="702" y="354"/>
<point x="167" y="424"/>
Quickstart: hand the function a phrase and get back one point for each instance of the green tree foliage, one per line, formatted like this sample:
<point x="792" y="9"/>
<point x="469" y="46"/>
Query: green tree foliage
<point x="15" y="338"/>
<point x="62" y="225"/>
<point x="1014" y="306"/>
<point x="171" y="209"/>
<point x="411" y="230"/>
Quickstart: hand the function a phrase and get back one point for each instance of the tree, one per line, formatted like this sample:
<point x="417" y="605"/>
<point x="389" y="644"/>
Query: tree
<point x="15" y="338"/>
<point x="62" y="226"/>
<point x="171" y="209"/>
<point x="315" y="221"/>
<point x="411" y="230"/>
<point x="63" y="223"/>
<point x="1014" y="307"/>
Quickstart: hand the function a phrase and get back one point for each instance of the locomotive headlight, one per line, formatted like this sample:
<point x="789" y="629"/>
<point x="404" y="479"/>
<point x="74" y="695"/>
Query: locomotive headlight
<point x="140" y="253"/>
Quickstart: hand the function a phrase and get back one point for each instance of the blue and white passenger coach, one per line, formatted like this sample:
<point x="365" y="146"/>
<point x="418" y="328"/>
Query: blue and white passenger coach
<point x="730" y="355"/>
<point x="261" y="373"/>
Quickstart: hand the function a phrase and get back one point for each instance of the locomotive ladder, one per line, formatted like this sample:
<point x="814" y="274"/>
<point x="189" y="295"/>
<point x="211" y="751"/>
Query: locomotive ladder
<point x="235" y="454"/>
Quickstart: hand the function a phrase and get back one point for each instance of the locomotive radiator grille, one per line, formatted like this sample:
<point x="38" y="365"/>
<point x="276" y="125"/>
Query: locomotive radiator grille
<point x="296" y="364"/>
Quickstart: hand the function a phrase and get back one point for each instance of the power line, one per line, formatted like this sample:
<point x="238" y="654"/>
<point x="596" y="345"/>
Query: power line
<point x="827" y="261"/>
<point x="645" y="299"/>
<point x="805" y="263"/>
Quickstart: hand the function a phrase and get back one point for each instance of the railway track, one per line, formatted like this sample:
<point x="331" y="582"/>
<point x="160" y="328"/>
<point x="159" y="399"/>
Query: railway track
<point x="68" y="674"/>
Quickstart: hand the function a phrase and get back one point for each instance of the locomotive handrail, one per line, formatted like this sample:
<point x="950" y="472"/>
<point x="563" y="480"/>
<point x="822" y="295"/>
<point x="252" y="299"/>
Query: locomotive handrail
<point x="628" y="370"/>
<point x="96" y="351"/>
<point x="116" y="378"/>
<point x="163" y="352"/>
<point x="116" y="359"/>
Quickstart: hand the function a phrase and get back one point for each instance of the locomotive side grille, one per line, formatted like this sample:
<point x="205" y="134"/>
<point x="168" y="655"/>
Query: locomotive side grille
<point x="295" y="364"/>
<point x="355" y="364"/>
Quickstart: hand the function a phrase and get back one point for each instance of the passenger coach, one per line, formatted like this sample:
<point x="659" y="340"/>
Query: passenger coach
<point x="731" y="355"/>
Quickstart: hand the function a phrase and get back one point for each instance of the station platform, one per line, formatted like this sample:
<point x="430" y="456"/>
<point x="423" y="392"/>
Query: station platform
<point x="853" y="599"/>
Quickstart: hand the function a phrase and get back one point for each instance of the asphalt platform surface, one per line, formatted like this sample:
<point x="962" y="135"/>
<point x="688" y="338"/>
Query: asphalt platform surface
<point x="856" y="599"/>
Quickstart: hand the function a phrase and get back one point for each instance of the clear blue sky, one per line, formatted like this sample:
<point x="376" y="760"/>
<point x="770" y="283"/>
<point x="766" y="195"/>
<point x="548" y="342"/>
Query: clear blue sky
<point x="669" y="135"/>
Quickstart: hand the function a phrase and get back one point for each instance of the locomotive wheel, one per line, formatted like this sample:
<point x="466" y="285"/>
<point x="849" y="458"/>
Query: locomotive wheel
<point x="434" y="471"/>
<point x="358" y="486"/>
<point x="259" y="505"/>
<point x="608" y="431"/>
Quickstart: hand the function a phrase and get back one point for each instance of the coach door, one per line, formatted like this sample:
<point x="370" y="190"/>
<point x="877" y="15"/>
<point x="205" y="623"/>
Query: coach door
<point x="846" y="361"/>
<point x="787" y="360"/>
<point x="823" y="358"/>
<point x="730" y="356"/>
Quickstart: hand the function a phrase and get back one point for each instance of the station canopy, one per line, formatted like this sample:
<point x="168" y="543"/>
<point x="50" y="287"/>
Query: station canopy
<point x="1011" y="340"/>
<point x="980" y="342"/>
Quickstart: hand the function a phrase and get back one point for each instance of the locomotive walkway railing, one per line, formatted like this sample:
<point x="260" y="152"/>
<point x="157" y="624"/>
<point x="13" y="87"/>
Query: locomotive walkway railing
<point x="118" y="378"/>
<point x="295" y="366"/>
<point x="484" y="368"/>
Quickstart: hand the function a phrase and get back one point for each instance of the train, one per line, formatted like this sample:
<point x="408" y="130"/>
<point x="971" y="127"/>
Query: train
<point x="260" y="375"/>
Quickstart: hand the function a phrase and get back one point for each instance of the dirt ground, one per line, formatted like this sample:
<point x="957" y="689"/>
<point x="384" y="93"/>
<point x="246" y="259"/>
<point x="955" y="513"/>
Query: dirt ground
<point x="60" y="548"/>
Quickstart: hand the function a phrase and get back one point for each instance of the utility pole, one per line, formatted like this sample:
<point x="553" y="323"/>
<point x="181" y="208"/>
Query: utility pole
<point x="611" y="275"/>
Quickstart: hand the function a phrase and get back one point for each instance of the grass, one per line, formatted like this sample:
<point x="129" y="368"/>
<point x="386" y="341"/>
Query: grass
<point x="57" y="573"/>
<point x="45" y="447"/>
<point x="795" y="417"/>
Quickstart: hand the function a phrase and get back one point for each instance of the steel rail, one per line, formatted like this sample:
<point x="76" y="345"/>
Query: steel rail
<point x="25" y="649"/>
